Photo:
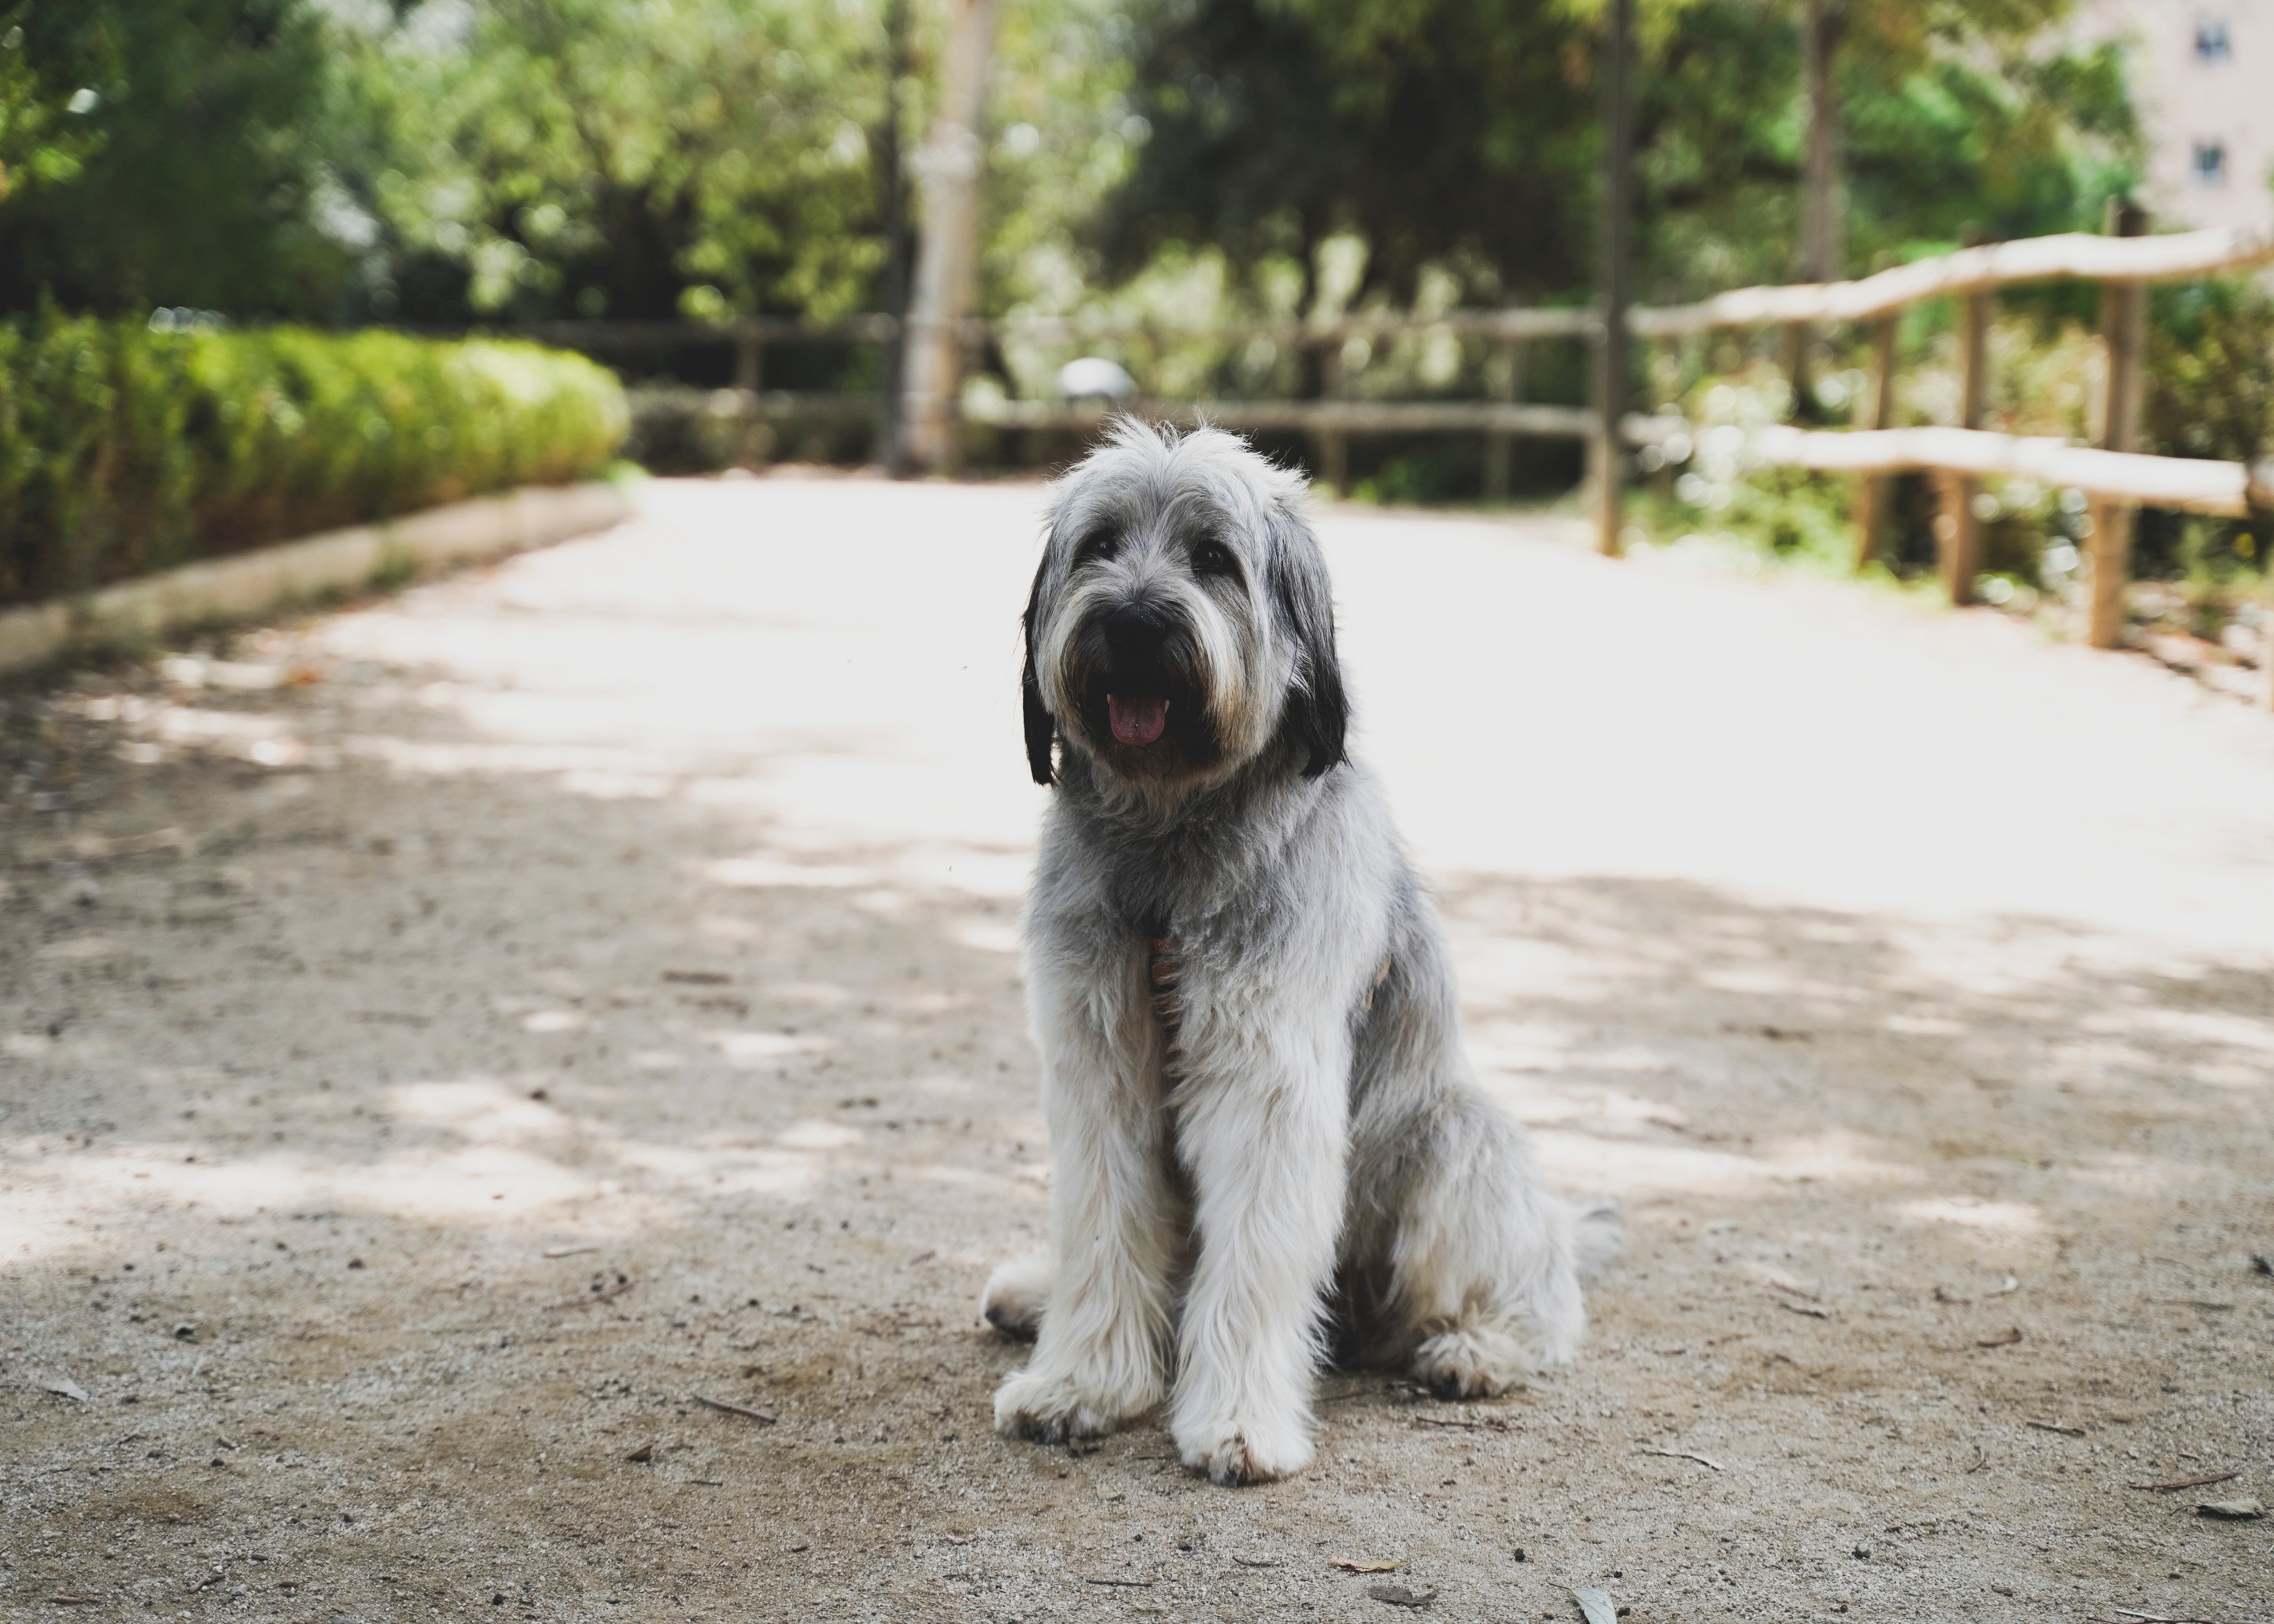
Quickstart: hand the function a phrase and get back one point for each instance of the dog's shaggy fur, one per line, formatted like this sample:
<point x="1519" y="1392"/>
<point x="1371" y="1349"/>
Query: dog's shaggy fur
<point x="1266" y="1139"/>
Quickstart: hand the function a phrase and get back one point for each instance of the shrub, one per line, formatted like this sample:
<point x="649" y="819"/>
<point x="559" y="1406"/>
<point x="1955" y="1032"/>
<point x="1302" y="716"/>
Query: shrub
<point x="126" y="449"/>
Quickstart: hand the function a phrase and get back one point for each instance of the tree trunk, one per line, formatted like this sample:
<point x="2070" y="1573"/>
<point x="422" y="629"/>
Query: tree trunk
<point x="947" y="254"/>
<point x="1823" y="210"/>
<point x="1614" y="379"/>
<point x="893" y="214"/>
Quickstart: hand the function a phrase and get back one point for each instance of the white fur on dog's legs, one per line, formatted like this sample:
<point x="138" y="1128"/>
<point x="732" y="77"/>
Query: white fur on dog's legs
<point x="1101" y="1347"/>
<point x="1267" y="1152"/>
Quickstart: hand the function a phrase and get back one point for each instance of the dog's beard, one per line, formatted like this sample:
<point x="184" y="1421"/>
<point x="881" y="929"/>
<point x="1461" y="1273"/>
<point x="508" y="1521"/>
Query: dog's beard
<point x="1145" y="716"/>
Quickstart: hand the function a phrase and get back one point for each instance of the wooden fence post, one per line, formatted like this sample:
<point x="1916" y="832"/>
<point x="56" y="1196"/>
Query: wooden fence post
<point x="1871" y="490"/>
<point x="1504" y="375"/>
<point x="1333" y="444"/>
<point x="2123" y="321"/>
<point x="1959" y="528"/>
<point x="749" y="377"/>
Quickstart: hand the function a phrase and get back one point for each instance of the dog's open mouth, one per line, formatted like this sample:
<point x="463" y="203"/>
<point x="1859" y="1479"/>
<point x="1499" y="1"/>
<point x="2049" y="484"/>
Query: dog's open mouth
<point x="1137" y="719"/>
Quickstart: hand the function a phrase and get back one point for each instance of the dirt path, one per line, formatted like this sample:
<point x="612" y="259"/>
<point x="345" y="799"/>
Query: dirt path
<point x="445" y="1037"/>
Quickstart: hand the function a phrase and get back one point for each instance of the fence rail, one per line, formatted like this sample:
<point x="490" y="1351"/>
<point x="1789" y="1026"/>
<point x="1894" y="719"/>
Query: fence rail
<point x="2074" y="256"/>
<point x="2114" y="473"/>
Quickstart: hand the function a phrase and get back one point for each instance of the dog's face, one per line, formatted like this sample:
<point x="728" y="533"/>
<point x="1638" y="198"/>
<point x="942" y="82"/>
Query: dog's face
<point x="1180" y="624"/>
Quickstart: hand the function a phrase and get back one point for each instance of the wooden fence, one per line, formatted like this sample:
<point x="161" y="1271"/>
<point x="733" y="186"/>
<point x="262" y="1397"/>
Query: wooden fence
<point x="2115" y="474"/>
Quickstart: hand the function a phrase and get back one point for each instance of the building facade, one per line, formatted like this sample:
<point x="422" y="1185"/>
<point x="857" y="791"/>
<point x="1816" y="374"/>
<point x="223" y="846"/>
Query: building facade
<point x="2202" y="78"/>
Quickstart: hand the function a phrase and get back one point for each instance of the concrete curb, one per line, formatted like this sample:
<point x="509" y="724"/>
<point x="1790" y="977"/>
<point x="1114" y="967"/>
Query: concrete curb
<point x="249" y="585"/>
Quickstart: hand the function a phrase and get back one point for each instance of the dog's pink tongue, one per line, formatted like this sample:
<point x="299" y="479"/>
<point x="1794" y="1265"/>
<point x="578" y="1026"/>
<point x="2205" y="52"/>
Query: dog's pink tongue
<point x="1137" y="721"/>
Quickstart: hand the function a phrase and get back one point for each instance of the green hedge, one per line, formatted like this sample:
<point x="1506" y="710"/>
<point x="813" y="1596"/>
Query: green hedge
<point x="124" y="450"/>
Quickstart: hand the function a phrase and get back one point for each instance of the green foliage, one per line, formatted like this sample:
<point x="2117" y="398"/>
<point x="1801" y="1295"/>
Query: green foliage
<point x="2210" y="372"/>
<point x="1461" y="135"/>
<point x="124" y="449"/>
<point x="164" y="153"/>
<point x="556" y="158"/>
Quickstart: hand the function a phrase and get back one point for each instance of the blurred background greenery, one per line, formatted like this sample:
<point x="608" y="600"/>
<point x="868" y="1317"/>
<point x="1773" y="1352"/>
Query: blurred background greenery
<point x="443" y="164"/>
<point x="434" y="162"/>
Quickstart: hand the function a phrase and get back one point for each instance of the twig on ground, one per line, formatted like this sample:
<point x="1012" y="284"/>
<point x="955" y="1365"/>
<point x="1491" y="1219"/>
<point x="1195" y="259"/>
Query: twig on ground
<point x="2155" y="1618"/>
<point x="2006" y="1340"/>
<point x="1365" y="1564"/>
<point x="2055" y="1426"/>
<point x="732" y="1410"/>
<point x="1123" y="1584"/>
<point x="1809" y="1309"/>
<point x="567" y="1251"/>
<point x="1488" y="1424"/>
<point x="591" y="1297"/>
<point x="2185" y="1483"/>
<point x="1257" y="1561"/>
<point x="1684" y="1454"/>
<point x="1981" y="1460"/>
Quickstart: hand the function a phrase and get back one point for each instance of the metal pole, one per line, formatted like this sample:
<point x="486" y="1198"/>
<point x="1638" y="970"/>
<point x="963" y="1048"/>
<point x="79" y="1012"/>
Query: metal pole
<point x="1612" y="366"/>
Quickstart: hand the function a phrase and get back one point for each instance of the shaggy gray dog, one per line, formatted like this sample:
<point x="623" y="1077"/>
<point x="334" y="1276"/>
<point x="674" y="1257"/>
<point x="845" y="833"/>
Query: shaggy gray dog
<point x="1265" y="1137"/>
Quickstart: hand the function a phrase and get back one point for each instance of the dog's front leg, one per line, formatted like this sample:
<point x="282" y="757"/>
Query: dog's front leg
<point x="1262" y="1124"/>
<point x="1102" y="1348"/>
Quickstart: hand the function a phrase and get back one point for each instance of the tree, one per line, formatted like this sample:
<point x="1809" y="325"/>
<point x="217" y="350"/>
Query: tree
<point x="528" y="158"/>
<point x="1461" y="134"/>
<point x="162" y="155"/>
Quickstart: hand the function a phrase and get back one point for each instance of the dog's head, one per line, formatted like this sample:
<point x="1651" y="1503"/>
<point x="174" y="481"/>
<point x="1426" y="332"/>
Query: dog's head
<point x="1181" y="624"/>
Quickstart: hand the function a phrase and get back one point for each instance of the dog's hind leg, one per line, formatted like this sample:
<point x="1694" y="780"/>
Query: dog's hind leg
<point x="1485" y="1262"/>
<point x="1017" y="1292"/>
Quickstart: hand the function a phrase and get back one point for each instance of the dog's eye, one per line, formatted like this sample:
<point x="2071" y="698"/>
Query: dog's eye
<point x="1096" y="546"/>
<point x="1213" y="558"/>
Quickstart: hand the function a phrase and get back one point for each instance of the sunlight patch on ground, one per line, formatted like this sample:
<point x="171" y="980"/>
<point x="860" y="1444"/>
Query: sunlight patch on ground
<point x="1028" y="1184"/>
<point x="757" y="1047"/>
<point x="2192" y="1026"/>
<point x="782" y="1174"/>
<point x="815" y="1134"/>
<point x="1499" y="967"/>
<point x="1532" y="1102"/>
<point x="1591" y="1162"/>
<point x="54" y="1200"/>
<point x="2009" y="1218"/>
<point x="479" y="1109"/>
<point x="989" y="936"/>
<point x="759" y="873"/>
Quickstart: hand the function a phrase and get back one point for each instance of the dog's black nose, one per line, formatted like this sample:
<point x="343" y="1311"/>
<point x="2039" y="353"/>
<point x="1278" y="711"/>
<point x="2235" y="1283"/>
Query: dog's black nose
<point x="1134" y="630"/>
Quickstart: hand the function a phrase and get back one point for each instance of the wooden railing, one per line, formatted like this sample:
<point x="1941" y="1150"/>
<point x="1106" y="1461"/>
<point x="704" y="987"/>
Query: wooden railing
<point x="2114" y="473"/>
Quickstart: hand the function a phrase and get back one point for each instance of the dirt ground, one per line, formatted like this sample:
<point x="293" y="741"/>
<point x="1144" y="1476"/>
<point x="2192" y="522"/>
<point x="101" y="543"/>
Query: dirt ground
<point x="440" y="1039"/>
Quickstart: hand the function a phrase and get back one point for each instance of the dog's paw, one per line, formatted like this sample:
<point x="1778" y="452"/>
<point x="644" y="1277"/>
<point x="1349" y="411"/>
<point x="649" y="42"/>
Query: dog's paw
<point x="1049" y="1410"/>
<point x="1234" y="1454"/>
<point x="1016" y="1294"/>
<point x="1479" y="1362"/>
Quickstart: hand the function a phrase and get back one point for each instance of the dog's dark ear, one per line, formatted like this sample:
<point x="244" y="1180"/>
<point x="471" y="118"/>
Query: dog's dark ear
<point x="1317" y="717"/>
<point x="1040" y="729"/>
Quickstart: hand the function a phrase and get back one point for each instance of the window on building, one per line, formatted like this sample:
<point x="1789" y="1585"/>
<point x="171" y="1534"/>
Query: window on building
<point x="2210" y="163"/>
<point x="2212" y="43"/>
